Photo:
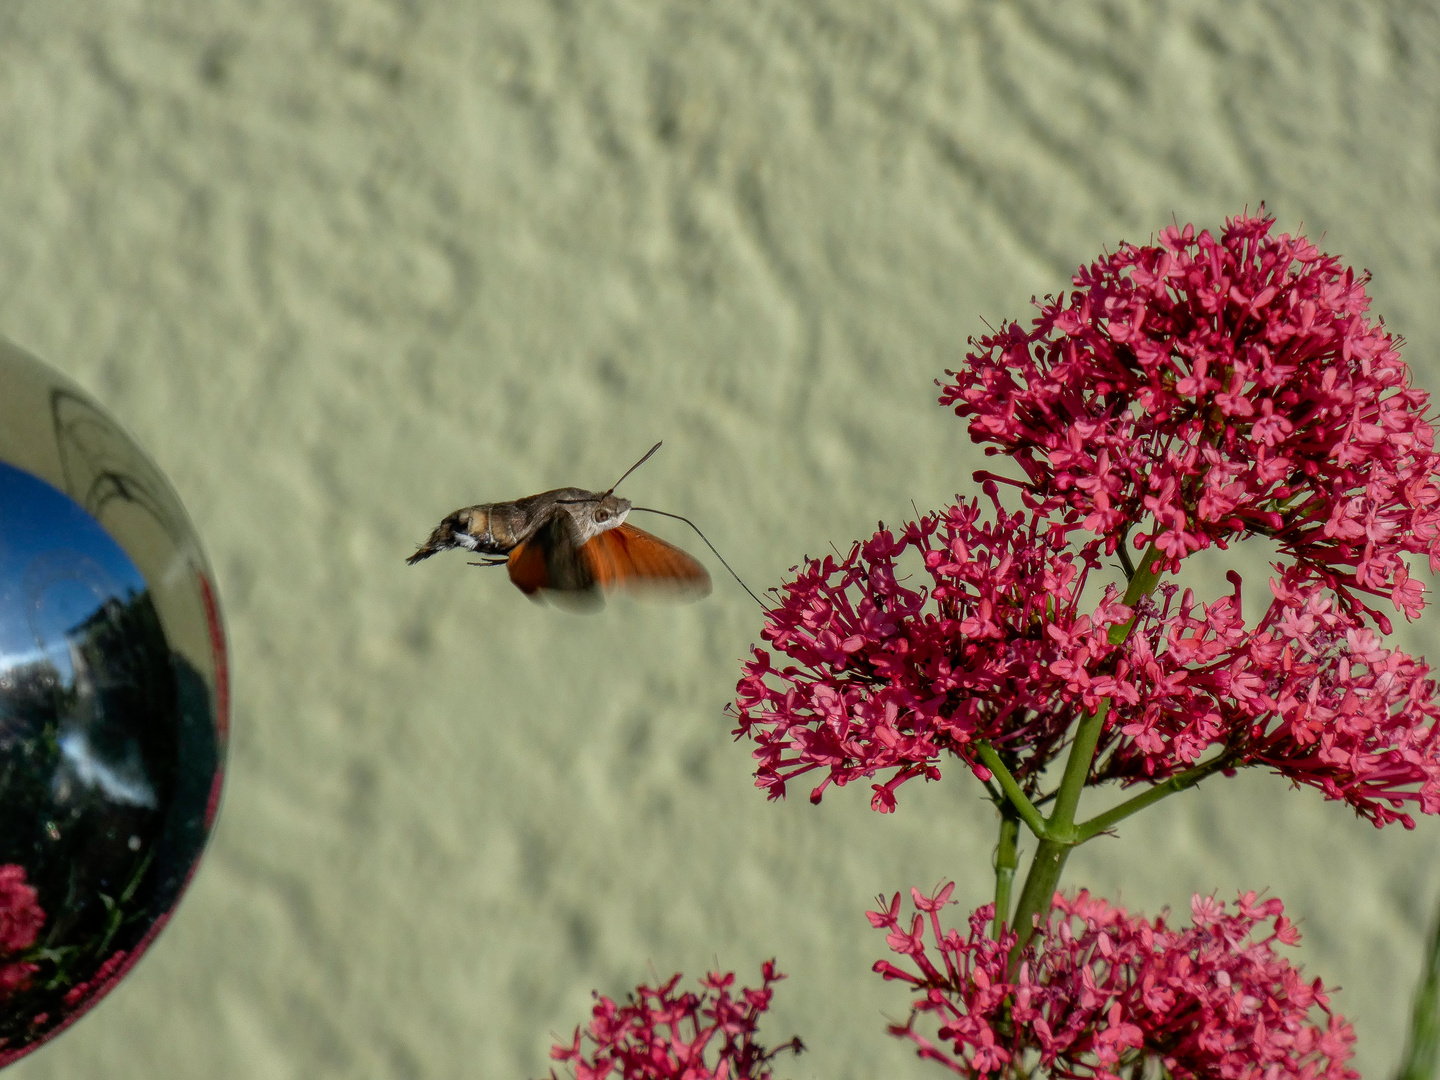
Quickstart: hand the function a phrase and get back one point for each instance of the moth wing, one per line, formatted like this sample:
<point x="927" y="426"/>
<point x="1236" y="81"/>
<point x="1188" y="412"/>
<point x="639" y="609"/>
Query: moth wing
<point x="629" y="558"/>
<point x="549" y="562"/>
<point x="526" y="567"/>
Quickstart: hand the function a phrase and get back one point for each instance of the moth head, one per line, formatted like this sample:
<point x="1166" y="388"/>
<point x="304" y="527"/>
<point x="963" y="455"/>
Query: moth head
<point x="607" y="512"/>
<point x="598" y="514"/>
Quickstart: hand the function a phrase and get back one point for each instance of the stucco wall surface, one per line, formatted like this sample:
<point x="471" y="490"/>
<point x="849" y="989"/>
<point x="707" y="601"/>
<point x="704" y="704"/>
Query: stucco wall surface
<point x="345" y="266"/>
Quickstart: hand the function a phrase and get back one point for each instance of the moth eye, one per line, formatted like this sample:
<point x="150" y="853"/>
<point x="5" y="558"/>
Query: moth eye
<point x="602" y="515"/>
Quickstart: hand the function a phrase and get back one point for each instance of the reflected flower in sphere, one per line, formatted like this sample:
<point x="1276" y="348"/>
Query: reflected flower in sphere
<point x="1100" y="993"/>
<point x="1200" y="390"/>
<point x="20" y="921"/>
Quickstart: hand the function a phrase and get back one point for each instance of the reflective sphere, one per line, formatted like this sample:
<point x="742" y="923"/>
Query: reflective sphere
<point x="113" y="710"/>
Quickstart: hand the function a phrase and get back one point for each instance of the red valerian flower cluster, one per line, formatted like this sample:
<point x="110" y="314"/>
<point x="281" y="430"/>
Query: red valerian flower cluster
<point x="1206" y="390"/>
<point x="20" y="922"/>
<point x="1309" y="692"/>
<point x="1099" y="991"/>
<point x="664" y="1035"/>
<point x="1195" y="392"/>
<point x="888" y="679"/>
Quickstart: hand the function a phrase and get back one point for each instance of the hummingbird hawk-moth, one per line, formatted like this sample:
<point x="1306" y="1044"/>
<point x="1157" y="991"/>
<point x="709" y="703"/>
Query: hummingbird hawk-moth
<point x="571" y="545"/>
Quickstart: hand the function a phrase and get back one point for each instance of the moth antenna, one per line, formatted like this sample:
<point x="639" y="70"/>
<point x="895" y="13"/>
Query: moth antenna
<point x="597" y="498"/>
<point x="687" y="521"/>
<point x="648" y="454"/>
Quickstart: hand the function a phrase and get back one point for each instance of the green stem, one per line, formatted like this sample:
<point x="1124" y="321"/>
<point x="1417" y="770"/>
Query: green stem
<point x="1007" y="860"/>
<point x="1110" y="818"/>
<point x="1060" y="834"/>
<point x="1142" y="583"/>
<point x="1023" y="806"/>
<point x="1087" y="735"/>
<point x="1061" y="823"/>
<point x="1422" y="1049"/>
<point x="1039" y="891"/>
<point x="1058" y="838"/>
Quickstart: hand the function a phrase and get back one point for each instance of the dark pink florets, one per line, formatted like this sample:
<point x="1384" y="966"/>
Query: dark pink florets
<point x="1191" y="392"/>
<point x="1200" y="390"/>
<point x="1309" y="692"/>
<point x="100" y="982"/>
<point x="1099" y="991"/>
<point x="664" y="1035"/>
<point x="20" y="914"/>
<point x="890" y="677"/>
<point x="20" y="921"/>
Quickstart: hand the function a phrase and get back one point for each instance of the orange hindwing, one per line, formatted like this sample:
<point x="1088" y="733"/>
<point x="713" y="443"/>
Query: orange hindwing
<point x="526" y="566"/>
<point x="629" y="558"/>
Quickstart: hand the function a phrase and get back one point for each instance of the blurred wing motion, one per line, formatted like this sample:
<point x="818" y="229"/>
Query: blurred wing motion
<point x="624" y="557"/>
<point x="550" y="559"/>
<point x="629" y="558"/>
<point x="526" y="566"/>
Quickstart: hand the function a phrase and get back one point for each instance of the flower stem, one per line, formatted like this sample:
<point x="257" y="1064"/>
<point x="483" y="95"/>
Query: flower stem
<point x="1007" y="859"/>
<point x="1087" y="736"/>
<point x="1422" y="1048"/>
<point x="1142" y="583"/>
<point x="1061" y="823"/>
<point x="1060" y="834"/>
<point x="1024" y="808"/>
<point x="1039" y="892"/>
<point x="1112" y="817"/>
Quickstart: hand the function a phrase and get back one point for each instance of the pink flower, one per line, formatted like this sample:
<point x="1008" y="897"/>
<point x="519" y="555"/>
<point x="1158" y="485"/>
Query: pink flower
<point x="888" y="678"/>
<point x="105" y="976"/>
<point x="1099" y="990"/>
<point x="662" y="1035"/>
<point x="16" y="976"/>
<point x="20" y="914"/>
<point x="20" y="922"/>
<point x="1206" y="390"/>
<point x="1308" y="692"/>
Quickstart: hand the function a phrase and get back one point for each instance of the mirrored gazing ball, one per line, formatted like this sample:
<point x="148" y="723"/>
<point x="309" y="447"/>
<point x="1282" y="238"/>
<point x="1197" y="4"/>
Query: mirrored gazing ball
<point x="113" y="702"/>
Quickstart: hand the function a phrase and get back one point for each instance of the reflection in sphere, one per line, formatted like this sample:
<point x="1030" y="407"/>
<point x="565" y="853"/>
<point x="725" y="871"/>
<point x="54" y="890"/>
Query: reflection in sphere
<point x="113" y="706"/>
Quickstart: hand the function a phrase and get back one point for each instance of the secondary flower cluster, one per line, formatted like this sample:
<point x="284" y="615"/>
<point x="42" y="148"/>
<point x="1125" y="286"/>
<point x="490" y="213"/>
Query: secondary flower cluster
<point x="1310" y="692"/>
<point x="1100" y="990"/>
<point x="1216" y="389"/>
<point x="664" y="1035"/>
<point x="888" y="678"/>
<point x="20" y="922"/>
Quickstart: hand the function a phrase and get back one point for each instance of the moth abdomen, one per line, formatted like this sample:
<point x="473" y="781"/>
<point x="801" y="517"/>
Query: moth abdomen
<point x="487" y="529"/>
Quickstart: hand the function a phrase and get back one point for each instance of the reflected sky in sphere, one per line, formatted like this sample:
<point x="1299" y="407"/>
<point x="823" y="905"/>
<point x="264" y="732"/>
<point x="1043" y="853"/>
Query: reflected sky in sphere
<point x="57" y="565"/>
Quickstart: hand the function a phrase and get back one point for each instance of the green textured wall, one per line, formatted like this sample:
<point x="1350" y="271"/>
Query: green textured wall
<point x="344" y="266"/>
